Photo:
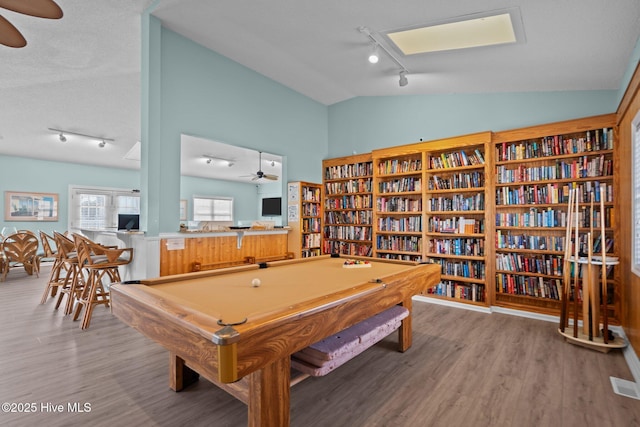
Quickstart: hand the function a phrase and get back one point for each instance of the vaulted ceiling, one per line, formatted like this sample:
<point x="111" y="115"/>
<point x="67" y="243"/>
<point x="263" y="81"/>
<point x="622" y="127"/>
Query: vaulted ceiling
<point x="82" y="72"/>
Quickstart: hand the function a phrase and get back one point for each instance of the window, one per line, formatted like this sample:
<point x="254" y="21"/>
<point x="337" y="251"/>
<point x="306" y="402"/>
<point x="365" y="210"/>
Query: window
<point x="98" y="208"/>
<point x="211" y="208"/>
<point x="635" y="172"/>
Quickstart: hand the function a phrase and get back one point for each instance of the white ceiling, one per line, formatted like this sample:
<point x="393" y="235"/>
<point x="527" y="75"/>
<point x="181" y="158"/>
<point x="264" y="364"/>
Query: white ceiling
<point x="81" y="73"/>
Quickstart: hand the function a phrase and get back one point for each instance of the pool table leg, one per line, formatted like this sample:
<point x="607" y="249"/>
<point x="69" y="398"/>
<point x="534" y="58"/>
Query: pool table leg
<point x="269" y="394"/>
<point x="180" y="375"/>
<point x="404" y="333"/>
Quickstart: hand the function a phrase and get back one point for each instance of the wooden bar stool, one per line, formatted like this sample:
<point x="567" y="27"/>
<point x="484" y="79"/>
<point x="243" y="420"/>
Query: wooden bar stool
<point x="50" y="251"/>
<point x="71" y="284"/>
<point x="96" y="263"/>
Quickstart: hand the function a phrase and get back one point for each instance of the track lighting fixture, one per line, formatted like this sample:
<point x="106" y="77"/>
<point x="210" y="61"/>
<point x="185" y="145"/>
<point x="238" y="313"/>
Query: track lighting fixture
<point x="377" y="44"/>
<point x="373" y="56"/>
<point x="403" y="78"/>
<point x="218" y="160"/>
<point x="62" y="136"/>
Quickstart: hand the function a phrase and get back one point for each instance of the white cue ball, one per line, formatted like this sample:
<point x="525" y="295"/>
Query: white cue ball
<point x="255" y="283"/>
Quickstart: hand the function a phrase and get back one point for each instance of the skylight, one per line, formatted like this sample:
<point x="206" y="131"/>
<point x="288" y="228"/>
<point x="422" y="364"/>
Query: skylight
<point x="461" y="34"/>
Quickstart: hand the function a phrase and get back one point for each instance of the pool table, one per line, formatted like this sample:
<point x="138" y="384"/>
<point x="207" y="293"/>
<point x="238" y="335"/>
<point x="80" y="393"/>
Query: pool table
<point x="239" y="333"/>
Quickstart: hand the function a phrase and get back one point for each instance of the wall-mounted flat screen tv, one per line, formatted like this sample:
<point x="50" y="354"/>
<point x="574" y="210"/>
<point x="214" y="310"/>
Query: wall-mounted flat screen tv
<point x="129" y="222"/>
<point x="272" y="206"/>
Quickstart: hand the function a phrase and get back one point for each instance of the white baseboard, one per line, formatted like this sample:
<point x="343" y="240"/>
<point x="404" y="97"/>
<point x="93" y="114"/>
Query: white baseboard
<point x="629" y="355"/>
<point x="455" y="304"/>
<point x="527" y="314"/>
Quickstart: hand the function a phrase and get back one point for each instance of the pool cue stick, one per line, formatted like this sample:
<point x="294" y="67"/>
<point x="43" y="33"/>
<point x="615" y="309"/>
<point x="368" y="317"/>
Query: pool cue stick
<point x="588" y="302"/>
<point x="603" y="267"/>
<point x="590" y="299"/>
<point x="575" y="275"/>
<point x="566" y="283"/>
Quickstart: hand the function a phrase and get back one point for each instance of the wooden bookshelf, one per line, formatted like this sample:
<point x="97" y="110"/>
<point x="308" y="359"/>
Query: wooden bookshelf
<point x="430" y="203"/>
<point x="398" y="206"/>
<point x="417" y="207"/>
<point x="348" y="203"/>
<point x="535" y="168"/>
<point x="304" y="201"/>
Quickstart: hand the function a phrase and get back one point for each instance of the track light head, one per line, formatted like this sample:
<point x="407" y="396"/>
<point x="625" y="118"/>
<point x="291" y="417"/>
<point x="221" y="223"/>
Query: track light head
<point x="102" y="144"/>
<point x="403" y="78"/>
<point x="62" y="137"/>
<point x="373" y="55"/>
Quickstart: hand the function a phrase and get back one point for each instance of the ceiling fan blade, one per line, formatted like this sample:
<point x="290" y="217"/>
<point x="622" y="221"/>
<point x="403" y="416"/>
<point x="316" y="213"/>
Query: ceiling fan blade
<point x="38" y="8"/>
<point x="271" y="177"/>
<point x="9" y="35"/>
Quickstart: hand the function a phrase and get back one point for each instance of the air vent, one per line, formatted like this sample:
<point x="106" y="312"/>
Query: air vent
<point x="625" y="388"/>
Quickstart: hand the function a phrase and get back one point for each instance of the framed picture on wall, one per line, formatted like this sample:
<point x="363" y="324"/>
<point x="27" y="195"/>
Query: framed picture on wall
<point x="183" y="210"/>
<point x="24" y="206"/>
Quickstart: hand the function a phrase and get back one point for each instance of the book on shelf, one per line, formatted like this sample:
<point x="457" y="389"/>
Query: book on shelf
<point x="458" y="290"/>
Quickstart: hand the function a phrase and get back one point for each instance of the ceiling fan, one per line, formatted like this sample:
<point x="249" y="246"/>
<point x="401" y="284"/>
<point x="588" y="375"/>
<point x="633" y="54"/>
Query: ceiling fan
<point x="260" y="174"/>
<point x="9" y="35"/>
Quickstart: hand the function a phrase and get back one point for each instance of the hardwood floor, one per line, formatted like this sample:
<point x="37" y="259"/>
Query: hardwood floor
<point x="464" y="369"/>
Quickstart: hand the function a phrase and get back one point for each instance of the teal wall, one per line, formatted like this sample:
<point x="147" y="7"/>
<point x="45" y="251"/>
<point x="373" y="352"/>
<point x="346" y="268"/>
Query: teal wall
<point x="39" y="176"/>
<point x="207" y="95"/>
<point x="362" y="124"/>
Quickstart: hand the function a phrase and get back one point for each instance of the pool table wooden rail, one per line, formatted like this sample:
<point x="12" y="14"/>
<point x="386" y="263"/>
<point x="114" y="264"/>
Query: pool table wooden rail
<point x="265" y="345"/>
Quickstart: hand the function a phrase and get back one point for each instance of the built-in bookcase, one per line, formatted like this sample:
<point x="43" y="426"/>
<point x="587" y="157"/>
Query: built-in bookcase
<point x="456" y="221"/>
<point x="305" y="218"/>
<point x="535" y="169"/>
<point x="490" y="208"/>
<point x="348" y="205"/>
<point x="430" y="205"/>
<point x="399" y="207"/>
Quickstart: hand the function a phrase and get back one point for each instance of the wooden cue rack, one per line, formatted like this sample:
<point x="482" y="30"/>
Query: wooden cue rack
<point x="584" y="291"/>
